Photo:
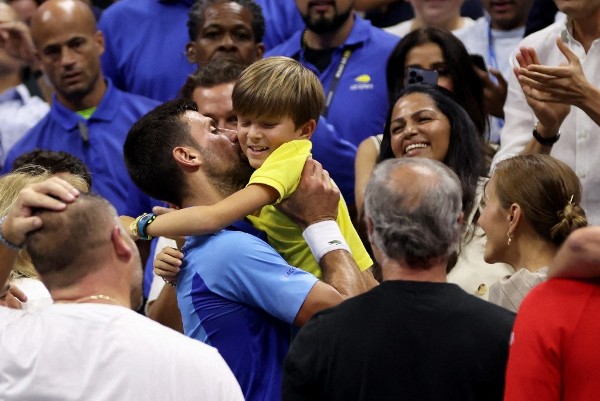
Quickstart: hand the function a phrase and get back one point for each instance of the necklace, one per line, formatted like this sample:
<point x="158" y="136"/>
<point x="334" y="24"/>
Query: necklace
<point x="95" y="297"/>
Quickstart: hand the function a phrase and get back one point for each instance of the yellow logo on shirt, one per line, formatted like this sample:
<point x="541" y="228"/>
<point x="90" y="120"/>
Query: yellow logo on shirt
<point x="362" y="82"/>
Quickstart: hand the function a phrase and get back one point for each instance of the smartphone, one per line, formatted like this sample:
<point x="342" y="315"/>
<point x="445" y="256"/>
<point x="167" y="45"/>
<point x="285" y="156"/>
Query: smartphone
<point x="416" y="75"/>
<point x="478" y="61"/>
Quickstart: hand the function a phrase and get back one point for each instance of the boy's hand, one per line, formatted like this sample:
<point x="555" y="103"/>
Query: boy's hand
<point x="316" y="198"/>
<point x="167" y="264"/>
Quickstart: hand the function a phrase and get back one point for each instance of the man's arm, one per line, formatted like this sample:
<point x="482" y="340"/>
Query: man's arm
<point x="316" y="200"/>
<point x="579" y="256"/>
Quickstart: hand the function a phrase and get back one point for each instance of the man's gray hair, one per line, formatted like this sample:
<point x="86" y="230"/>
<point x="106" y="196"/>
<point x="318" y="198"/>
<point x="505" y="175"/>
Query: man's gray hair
<point x="414" y="205"/>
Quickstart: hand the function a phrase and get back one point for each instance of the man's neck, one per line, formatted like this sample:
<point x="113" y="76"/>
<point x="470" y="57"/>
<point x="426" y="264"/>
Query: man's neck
<point x="9" y="80"/>
<point x="449" y="24"/>
<point x="87" y="101"/>
<point x="330" y="40"/>
<point x="503" y="27"/>
<point x="98" y="286"/>
<point x="400" y="270"/>
<point x="587" y="29"/>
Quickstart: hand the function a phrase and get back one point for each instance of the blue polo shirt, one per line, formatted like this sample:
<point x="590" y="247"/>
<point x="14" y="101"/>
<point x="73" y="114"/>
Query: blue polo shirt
<point x="282" y="20"/>
<point x="145" y="42"/>
<point x="103" y="153"/>
<point x="236" y="293"/>
<point x="337" y="157"/>
<point x="360" y="104"/>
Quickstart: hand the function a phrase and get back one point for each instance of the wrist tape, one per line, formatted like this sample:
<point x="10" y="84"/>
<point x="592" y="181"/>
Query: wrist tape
<point x="324" y="237"/>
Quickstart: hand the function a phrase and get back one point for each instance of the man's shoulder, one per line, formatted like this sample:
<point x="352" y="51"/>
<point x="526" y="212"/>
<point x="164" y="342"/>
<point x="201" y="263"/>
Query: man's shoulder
<point x="379" y="38"/>
<point x="545" y="38"/>
<point x="220" y="247"/>
<point x="287" y="48"/>
<point x="135" y="100"/>
<point x="124" y="10"/>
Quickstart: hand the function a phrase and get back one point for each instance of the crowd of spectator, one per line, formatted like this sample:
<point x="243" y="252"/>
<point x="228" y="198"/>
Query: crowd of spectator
<point x="299" y="200"/>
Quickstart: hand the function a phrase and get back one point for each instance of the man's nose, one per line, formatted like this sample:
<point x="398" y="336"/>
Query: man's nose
<point x="67" y="56"/>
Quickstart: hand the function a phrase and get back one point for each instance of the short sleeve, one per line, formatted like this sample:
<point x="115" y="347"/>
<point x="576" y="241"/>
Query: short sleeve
<point x="283" y="168"/>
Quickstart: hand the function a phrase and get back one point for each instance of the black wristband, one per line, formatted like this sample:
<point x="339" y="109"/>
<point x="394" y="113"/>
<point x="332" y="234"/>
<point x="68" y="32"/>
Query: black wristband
<point x="545" y="141"/>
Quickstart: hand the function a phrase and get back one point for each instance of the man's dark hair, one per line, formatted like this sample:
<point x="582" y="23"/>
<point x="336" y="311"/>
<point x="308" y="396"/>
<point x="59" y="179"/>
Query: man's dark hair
<point x="148" y="146"/>
<point x="216" y="72"/>
<point x="55" y="162"/>
<point x="196" y="17"/>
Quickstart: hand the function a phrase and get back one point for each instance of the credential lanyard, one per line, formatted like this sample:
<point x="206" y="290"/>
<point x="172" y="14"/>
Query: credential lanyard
<point x="336" y="80"/>
<point x="491" y="50"/>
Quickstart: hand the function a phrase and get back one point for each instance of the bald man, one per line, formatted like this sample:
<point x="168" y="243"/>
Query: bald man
<point x="89" y="118"/>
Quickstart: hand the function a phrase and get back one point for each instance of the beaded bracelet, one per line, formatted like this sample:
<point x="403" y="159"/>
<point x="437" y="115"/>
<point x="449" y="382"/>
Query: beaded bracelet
<point x="6" y="242"/>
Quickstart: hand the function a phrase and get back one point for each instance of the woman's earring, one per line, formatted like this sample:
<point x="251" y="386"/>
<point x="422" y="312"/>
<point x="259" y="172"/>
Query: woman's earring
<point x="509" y="235"/>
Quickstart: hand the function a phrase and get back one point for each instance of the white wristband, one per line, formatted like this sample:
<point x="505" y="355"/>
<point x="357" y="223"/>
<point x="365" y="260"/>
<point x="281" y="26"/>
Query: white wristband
<point x="324" y="237"/>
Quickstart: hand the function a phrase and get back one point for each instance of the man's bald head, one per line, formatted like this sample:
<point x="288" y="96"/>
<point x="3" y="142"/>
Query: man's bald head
<point x="69" y="47"/>
<point x="74" y="242"/>
<point x="60" y="13"/>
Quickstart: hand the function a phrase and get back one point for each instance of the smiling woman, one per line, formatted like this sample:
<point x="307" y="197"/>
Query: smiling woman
<point x="426" y="122"/>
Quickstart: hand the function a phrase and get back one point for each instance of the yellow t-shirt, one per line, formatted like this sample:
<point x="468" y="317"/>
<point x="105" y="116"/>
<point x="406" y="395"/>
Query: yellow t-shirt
<point x="282" y="171"/>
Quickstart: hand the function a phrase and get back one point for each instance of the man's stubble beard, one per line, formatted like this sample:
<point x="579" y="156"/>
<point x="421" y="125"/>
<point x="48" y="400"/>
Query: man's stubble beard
<point x="324" y="25"/>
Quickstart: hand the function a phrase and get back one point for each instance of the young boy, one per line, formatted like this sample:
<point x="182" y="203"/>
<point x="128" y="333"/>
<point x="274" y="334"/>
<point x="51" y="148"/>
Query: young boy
<point x="278" y="103"/>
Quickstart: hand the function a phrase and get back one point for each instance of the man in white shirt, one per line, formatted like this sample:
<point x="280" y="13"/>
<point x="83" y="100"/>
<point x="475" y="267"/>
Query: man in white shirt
<point x="89" y="345"/>
<point x="495" y="37"/>
<point x="557" y="91"/>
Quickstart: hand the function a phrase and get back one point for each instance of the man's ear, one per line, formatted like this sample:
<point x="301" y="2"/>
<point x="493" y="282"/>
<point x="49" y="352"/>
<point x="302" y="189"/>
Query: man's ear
<point x="99" y="38"/>
<point x="121" y="246"/>
<point x="186" y="157"/>
<point x="308" y="129"/>
<point x="190" y="52"/>
<point x="260" y="50"/>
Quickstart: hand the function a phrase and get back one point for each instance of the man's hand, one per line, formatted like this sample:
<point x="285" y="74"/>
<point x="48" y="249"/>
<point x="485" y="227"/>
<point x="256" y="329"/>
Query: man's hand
<point x="494" y="93"/>
<point x="12" y="297"/>
<point x="316" y="198"/>
<point x="544" y="86"/>
<point x="52" y="194"/>
<point x="16" y="40"/>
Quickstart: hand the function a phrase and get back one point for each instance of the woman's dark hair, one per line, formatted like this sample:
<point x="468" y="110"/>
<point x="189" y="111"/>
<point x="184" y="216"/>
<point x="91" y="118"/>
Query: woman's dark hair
<point x="468" y="88"/>
<point x="465" y="150"/>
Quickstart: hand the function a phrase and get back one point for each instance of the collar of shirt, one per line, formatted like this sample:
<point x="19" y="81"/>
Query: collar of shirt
<point x="12" y="94"/>
<point x="186" y="2"/>
<point x="105" y="111"/>
<point x="358" y="35"/>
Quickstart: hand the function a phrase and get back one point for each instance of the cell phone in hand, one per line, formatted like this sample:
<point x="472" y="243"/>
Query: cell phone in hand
<point x="478" y="61"/>
<point x="416" y="75"/>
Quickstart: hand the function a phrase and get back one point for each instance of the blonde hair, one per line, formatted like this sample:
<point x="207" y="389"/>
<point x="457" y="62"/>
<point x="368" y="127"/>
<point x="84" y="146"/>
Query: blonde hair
<point x="279" y="87"/>
<point x="548" y="192"/>
<point x="10" y="186"/>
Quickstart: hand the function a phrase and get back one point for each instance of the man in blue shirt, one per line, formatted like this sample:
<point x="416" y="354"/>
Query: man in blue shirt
<point x="150" y="58"/>
<point x="349" y="56"/>
<point x="235" y="292"/>
<point x="89" y="117"/>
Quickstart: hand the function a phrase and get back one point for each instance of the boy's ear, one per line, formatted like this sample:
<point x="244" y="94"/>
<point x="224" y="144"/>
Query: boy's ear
<point x="307" y="129"/>
<point x="186" y="157"/>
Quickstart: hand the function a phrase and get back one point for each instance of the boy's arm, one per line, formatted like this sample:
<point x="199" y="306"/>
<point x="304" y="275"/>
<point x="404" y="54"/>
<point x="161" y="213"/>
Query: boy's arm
<point x="200" y="220"/>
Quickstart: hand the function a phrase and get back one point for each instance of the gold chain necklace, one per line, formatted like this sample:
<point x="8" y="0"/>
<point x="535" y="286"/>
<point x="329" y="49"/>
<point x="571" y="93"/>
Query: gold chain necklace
<point x="95" y="297"/>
